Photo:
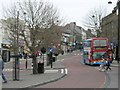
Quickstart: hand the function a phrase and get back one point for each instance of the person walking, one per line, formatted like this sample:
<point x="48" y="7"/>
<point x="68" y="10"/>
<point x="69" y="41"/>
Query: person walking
<point x="1" y="69"/>
<point x="108" y="65"/>
<point x="51" y="59"/>
<point x="40" y="54"/>
<point x="110" y="55"/>
<point x="102" y="65"/>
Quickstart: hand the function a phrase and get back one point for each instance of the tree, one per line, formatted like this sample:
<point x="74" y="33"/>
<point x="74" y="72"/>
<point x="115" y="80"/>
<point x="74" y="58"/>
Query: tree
<point x="93" y="20"/>
<point x="37" y="18"/>
<point x="53" y="36"/>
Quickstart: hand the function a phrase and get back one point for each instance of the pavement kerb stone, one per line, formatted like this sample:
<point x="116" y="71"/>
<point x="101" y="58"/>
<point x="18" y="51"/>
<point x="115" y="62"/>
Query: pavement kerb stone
<point x="49" y="81"/>
<point x="115" y="64"/>
<point x="46" y="82"/>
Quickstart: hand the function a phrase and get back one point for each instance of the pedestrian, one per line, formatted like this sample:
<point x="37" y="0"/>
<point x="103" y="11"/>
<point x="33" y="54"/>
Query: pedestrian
<point x="20" y="54"/>
<point x="51" y="59"/>
<point x="62" y="52"/>
<point x="1" y="69"/>
<point x="108" y="65"/>
<point x="40" y="54"/>
<point x="110" y="54"/>
<point x="102" y="65"/>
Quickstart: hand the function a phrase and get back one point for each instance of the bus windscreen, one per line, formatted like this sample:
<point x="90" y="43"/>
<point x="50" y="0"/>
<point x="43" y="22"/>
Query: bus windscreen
<point x="98" y="55"/>
<point x="101" y="42"/>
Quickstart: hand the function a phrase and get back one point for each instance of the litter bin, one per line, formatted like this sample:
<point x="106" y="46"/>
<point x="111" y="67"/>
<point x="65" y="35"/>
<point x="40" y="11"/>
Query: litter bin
<point x="40" y="67"/>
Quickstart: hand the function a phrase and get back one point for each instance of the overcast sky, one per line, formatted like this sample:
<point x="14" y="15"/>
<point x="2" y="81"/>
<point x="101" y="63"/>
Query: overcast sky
<point x="72" y="10"/>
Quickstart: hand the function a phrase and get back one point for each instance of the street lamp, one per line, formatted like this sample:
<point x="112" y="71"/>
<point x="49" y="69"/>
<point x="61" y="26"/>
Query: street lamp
<point x="109" y="2"/>
<point x="16" y="52"/>
<point x="95" y="24"/>
<point x="73" y="32"/>
<point x="24" y="29"/>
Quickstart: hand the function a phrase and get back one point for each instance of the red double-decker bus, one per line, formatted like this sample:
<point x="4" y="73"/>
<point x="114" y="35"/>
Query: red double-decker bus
<point x="93" y="49"/>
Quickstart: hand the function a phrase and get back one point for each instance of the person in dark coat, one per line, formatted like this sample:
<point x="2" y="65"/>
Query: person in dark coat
<point x="108" y="65"/>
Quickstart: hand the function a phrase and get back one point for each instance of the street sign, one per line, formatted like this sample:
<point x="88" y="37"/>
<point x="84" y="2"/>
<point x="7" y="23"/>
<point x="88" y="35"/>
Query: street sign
<point x="51" y="50"/>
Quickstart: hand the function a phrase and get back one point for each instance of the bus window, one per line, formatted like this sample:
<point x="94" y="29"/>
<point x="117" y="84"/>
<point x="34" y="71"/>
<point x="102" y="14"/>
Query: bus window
<point x="98" y="55"/>
<point x="101" y="42"/>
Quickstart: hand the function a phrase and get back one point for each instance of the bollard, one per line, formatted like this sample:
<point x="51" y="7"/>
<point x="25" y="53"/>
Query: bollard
<point x="16" y="68"/>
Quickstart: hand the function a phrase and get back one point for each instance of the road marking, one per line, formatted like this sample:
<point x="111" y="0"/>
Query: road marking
<point x="62" y="60"/>
<point x="51" y="71"/>
<point x="62" y="70"/>
<point x="9" y="69"/>
<point x="66" y="71"/>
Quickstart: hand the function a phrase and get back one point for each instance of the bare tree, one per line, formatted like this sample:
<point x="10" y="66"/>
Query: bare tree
<point x="37" y="18"/>
<point x="93" y="20"/>
<point x="53" y="35"/>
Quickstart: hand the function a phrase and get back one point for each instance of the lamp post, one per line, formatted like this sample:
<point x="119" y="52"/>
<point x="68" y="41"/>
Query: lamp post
<point x="109" y="2"/>
<point x="118" y="46"/>
<point x="73" y="33"/>
<point x="16" y="52"/>
<point x="95" y="24"/>
<point x="24" y="29"/>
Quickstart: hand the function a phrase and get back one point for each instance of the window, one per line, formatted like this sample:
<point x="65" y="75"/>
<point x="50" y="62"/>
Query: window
<point x="100" y="42"/>
<point x="98" y="55"/>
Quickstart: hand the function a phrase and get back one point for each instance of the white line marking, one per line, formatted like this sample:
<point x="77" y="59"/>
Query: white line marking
<point x="8" y="70"/>
<point x="66" y="71"/>
<point x="51" y="71"/>
<point x="62" y="70"/>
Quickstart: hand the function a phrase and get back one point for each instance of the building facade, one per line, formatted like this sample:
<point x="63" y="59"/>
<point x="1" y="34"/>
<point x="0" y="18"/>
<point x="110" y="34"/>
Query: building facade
<point x="72" y="36"/>
<point x="109" y="27"/>
<point x="4" y="45"/>
<point x="110" y="30"/>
